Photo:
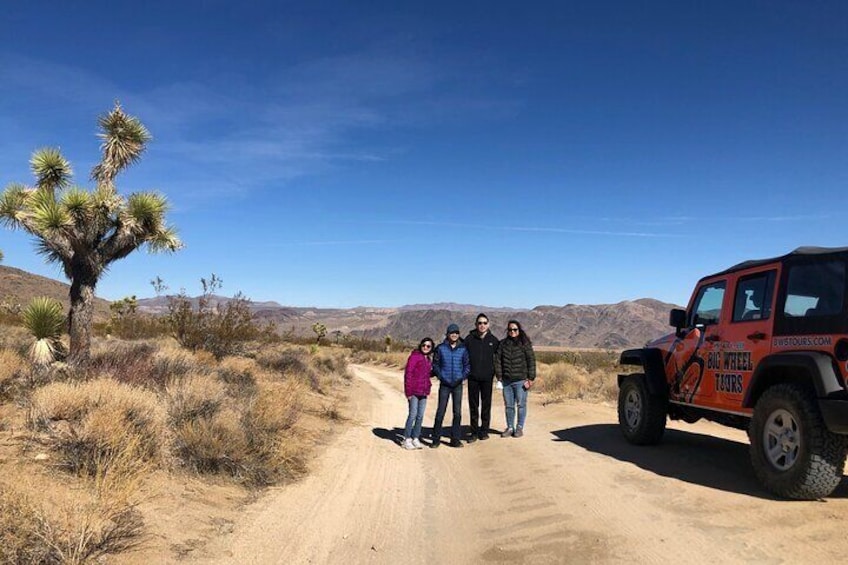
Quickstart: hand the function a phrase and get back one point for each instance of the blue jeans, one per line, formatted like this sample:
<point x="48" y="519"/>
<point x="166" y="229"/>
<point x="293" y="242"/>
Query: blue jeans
<point x="417" y="404"/>
<point x="515" y="393"/>
<point x="448" y="392"/>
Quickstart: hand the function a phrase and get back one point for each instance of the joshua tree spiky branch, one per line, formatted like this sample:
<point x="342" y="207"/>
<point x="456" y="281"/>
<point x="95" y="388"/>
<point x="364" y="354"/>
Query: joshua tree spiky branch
<point x="87" y="230"/>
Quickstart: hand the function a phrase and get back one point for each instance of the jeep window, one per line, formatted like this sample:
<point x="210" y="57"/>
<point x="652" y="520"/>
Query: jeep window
<point x="815" y="289"/>
<point x="708" y="304"/>
<point x="753" y="297"/>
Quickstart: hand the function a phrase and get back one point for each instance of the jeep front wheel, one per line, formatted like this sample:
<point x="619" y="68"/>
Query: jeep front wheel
<point x="641" y="415"/>
<point x="793" y="453"/>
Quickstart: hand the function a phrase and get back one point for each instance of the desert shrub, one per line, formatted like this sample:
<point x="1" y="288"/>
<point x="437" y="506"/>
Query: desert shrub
<point x="222" y="328"/>
<point x="173" y="364"/>
<point x="250" y="440"/>
<point x="91" y="423"/>
<point x="393" y="359"/>
<point x="78" y="532"/>
<point x="195" y="396"/>
<point x="564" y="380"/>
<point x="20" y="530"/>
<point x="238" y="374"/>
<point x="12" y="369"/>
<point x="294" y="362"/>
<point x="125" y="362"/>
<point x="215" y="443"/>
<point x="269" y="420"/>
<point x="126" y="322"/>
<point x="591" y="360"/>
<point x="284" y="360"/>
<point x="16" y="338"/>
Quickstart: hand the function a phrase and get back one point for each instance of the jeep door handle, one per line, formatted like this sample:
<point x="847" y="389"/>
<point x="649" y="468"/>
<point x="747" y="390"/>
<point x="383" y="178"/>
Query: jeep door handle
<point x="712" y="338"/>
<point x="757" y="335"/>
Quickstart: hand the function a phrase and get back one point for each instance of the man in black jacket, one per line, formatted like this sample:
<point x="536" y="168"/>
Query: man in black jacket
<point x="481" y="345"/>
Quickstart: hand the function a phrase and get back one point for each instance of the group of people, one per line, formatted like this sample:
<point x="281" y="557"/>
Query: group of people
<point x="482" y="360"/>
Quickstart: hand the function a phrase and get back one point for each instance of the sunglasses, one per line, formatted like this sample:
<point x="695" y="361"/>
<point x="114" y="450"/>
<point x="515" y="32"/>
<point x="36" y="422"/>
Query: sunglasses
<point x="426" y="346"/>
<point x="512" y="329"/>
<point x="481" y="323"/>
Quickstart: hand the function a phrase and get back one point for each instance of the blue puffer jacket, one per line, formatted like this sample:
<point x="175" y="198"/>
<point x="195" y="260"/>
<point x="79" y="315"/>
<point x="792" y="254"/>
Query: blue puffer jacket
<point x="451" y="365"/>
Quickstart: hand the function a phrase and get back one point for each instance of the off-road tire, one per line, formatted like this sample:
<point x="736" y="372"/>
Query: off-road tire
<point x="641" y="415"/>
<point x="792" y="452"/>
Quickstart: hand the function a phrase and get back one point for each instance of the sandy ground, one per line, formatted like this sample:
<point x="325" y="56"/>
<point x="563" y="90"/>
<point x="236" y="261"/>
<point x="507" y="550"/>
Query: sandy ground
<point x="570" y="491"/>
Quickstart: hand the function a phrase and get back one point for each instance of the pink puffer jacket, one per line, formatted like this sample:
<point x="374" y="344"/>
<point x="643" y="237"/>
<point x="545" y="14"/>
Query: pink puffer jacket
<point x="416" y="376"/>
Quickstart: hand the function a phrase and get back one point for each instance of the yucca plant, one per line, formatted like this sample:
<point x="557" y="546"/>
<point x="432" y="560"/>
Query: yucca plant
<point x="44" y="318"/>
<point x="87" y="230"/>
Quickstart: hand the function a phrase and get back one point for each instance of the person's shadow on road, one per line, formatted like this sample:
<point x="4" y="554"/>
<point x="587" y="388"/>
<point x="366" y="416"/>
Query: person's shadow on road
<point x="691" y="457"/>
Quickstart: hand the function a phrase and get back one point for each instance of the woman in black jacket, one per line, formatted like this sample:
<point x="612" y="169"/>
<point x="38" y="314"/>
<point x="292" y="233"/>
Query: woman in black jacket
<point x="515" y="368"/>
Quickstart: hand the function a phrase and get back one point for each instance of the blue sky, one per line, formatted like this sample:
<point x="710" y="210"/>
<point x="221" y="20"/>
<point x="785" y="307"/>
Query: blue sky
<point x="338" y="154"/>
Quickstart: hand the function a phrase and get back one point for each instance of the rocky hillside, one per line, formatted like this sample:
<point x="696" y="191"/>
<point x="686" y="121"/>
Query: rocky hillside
<point x="609" y="326"/>
<point x="19" y="287"/>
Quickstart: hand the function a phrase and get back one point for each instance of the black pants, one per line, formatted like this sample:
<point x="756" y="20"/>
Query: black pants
<point x="445" y="393"/>
<point x="480" y="405"/>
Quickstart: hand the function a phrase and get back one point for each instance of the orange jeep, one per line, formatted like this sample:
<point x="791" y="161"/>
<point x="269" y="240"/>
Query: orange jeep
<point x="762" y="347"/>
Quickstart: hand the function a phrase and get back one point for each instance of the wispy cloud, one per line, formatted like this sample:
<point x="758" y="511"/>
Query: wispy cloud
<point x="538" y="229"/>
<point x="333" y="242"/>
<point x="244" y="133"/>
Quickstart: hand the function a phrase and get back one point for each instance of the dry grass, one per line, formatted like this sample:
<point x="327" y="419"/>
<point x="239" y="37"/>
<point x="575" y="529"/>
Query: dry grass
<point x="87" y="423"/>
<point x="144" y="406"/>
<point x="392" y="359"/>
<point x="320" y="368"/>
<point x="250" y="441"/>
<point x="563" y="380"/>
<point x="195" y="396"/>
<point x="12" y="370"/>
<point x="78" y="531"/>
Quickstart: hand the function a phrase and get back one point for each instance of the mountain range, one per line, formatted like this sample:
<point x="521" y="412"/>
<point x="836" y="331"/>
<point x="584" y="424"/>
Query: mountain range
<point x="608" y="326"/>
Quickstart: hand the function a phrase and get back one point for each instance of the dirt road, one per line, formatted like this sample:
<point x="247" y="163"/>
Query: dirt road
<point x="570" y="491"/>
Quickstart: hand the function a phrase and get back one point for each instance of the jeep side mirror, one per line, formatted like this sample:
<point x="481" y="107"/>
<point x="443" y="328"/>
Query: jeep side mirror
<point x="677" y="318"/>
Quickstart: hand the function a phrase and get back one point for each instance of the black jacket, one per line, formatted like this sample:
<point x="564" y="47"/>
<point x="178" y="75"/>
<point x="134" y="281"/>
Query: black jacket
<point x="481" y="351"/>
<point x="515" y="362"/>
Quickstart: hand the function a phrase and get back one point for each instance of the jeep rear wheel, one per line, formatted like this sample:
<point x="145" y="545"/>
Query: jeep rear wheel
<point x="793" y="453"/>
<point x="641" y="415"/>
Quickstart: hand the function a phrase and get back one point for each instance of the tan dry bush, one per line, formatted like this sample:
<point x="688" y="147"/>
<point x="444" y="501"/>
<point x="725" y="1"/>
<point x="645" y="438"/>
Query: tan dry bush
<point x="392" y="359"/>
<point x="12" y="369"/>
<point x="292" y="362"/>
<point x="270" y="420"/>
<point x="101" y="419"/>
<point x="170" y="364"/>
<point x="77" y="532"/>
<point x="239" y="374"/>
<point x="20" y="529"/>
<point x="214" y="444"/>
<point x="564" y="380"/>
<point x="16" y="338"/>
<point x="127" y="362"/>
<point x="195" y="396"/>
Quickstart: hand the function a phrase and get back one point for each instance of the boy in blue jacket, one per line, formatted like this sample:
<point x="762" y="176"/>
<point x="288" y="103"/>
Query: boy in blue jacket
<point x="452" y="366"/>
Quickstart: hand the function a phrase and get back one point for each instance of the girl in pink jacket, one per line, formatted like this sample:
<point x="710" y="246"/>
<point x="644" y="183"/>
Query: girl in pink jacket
<point x="416" y="387"/>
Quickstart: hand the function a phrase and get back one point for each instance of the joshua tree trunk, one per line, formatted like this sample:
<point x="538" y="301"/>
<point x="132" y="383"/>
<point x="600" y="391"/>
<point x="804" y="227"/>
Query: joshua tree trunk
<point x="80" y="317"/>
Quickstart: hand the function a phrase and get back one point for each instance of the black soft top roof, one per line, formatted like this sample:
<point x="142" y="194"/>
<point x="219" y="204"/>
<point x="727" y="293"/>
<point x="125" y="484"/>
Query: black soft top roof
<point x="800" y="252"/>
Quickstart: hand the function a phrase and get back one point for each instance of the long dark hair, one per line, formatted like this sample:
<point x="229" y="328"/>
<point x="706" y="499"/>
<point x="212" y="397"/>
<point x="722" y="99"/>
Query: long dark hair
<point x="522" y="338"/>
<point x="423" y="341"/>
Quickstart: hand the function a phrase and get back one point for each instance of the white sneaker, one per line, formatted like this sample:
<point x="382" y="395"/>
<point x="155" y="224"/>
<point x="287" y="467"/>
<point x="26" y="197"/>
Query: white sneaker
<point x="407" y="444"/>
<point x="417" y="444"/>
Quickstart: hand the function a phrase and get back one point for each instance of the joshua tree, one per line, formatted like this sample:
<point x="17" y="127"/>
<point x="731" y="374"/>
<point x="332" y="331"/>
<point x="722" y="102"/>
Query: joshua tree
<point x="320" y="330"/>
<point x="85" y="231"/>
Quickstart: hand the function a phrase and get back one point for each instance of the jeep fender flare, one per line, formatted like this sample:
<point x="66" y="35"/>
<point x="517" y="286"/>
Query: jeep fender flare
<point x="816" y="366"/>
<point x="651" y="361"/>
